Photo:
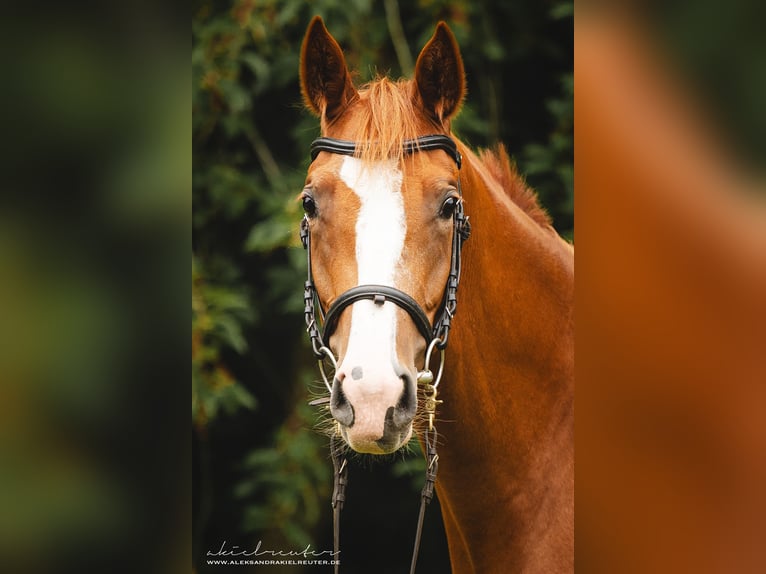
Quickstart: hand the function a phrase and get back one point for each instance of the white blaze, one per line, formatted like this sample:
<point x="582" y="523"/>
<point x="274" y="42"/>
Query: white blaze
<point x="380" y="232"/>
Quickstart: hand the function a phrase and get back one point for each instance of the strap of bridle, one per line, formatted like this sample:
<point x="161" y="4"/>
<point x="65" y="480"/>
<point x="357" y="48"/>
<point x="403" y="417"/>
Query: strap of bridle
<point x="423" y="143"/>
<point x="462" y="230"/>
<point x="432" y="462"/>
<point x="379" y="294"/>
<point x="340" y="480"/>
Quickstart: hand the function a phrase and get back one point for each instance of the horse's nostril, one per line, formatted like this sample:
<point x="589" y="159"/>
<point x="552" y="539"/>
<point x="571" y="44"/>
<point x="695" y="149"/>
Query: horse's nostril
<point x="407" y="404"/>
<point x="341" y="410"/>
<point x="393" y="433"/>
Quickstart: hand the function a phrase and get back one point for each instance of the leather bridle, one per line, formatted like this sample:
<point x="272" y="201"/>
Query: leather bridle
<point x="436" y="335"/>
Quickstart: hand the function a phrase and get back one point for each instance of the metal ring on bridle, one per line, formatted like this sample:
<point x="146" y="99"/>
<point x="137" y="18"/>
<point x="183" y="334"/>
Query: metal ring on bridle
<point x="427" y="364"/>
<point x="328" y="353"/>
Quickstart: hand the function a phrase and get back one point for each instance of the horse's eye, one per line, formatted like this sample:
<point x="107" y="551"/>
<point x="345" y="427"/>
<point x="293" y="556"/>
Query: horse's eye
<point x="448" y="207"/>
<point x="309" y="206"/>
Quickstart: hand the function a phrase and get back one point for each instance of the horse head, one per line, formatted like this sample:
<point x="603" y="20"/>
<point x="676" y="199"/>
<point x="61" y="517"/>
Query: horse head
<point x="380" y="208"/>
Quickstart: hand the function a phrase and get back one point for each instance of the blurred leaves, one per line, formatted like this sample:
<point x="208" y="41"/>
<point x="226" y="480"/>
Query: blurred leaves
<point x="96" y="174"/>
<point x="218" y="315"/>
<point x="269" y="235"/>
<point x="286" y="481"/>
<point x="549" y="167"/>
<point x="412" y="465"/>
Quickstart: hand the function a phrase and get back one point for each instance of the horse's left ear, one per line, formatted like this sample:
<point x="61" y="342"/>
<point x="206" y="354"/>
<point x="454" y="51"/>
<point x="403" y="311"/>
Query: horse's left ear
<point x="439" y="75"/>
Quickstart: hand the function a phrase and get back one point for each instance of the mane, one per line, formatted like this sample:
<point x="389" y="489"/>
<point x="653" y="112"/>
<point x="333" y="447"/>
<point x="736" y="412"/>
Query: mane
<point x="388" y="117"/>
<point x="504" y="171"/>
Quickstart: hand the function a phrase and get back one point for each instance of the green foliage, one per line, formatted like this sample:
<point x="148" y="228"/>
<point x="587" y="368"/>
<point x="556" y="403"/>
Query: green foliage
<point x="549" y="167"/>
<point x="285" y="482"/>
<point x="412" y="465"/>
<point x="218" y="315"/>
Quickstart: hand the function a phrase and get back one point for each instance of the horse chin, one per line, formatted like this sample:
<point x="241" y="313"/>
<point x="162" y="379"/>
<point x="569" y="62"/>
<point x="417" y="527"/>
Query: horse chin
<point x="382" y="445"/>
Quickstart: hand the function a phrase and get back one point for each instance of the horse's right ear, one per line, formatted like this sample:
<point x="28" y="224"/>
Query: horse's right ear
<point x="326" y="84"/>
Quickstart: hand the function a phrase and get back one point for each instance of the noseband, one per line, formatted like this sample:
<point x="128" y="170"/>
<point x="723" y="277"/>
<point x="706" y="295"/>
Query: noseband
<point x="435" y="335"/>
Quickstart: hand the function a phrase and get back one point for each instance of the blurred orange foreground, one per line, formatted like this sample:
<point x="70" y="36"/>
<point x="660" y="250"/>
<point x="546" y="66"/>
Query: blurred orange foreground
<point x="671" y="325"/>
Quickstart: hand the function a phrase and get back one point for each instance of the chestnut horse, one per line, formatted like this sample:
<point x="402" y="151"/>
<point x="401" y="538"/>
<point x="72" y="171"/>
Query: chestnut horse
<point x="382" y="212"/>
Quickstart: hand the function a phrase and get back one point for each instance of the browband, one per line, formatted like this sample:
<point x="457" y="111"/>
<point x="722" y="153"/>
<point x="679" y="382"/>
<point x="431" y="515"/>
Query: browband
<point x="423" y="143"/>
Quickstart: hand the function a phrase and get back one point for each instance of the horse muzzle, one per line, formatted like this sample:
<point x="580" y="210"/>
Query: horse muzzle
<point x="374" y="411"/>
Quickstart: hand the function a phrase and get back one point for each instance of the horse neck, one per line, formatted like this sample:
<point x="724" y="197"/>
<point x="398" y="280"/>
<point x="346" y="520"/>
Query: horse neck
<point x="506" y="424"/>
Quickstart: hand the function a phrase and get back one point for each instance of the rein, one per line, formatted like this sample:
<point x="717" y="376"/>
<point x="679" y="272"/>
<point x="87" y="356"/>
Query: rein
<point x="435" y="335"/>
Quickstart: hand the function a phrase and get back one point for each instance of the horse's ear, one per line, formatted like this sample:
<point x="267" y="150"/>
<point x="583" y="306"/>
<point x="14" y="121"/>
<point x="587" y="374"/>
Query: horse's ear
<point x="439" y="75"/>
<point x="325" y="82"/>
